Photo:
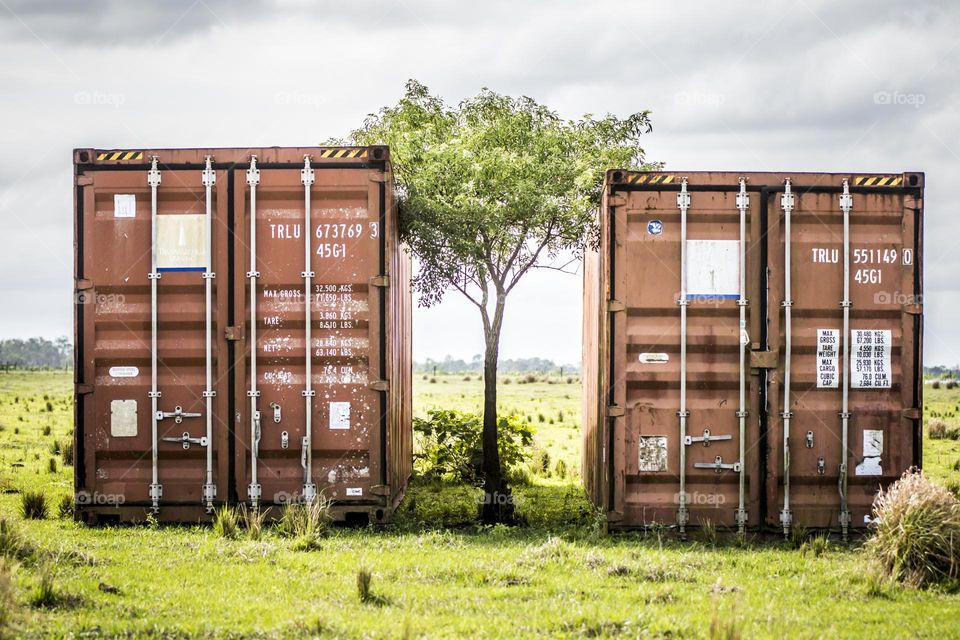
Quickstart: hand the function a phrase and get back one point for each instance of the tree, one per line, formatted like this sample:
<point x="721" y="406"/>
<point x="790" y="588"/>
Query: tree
<point x="488" y="190"/>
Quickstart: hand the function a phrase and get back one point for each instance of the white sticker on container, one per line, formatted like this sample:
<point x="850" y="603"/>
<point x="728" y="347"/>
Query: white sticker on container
<point x="124" y="372"/>
<point x="653" y="453"/>
<point x="123" y="418"/>
<point x="339" y="415"/>
<point x="713" y="268"/>
<point x="828" y="358"/>
<point x="654" y="358"/>
<point x="124" y="205"/>
<point x="872" y="452"/>
<point x="181" y="242"/>
<point x="870" y="358"/>
<point x="354" y="491"/>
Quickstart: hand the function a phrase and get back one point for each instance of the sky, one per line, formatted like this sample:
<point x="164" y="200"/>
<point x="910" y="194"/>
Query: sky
<point x="804" y="85"/>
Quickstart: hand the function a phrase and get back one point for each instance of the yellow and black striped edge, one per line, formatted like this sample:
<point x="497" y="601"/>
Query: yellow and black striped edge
<point x="110" y="156"/>
<point x="340" y="152"/>
<point x="648" y="178"/>
<point x="877" y="181"/>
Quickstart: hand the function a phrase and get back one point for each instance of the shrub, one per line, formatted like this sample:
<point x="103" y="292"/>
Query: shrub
<point x="953" y="433"/>
<point x="917" y="537"/>
<point x="935" y="384"/>
<point x="364" y="591"/>
<point x="306" y="523"/>
<point x="49" y="409"/>
<point x="818" y="545"/>
<point x="560" y="468"/>
<point x="433" y="381"/>
<point x="66" y="454"/>
<point x="530" y="378"/>
<point x="506" y="381"/>
<point x="540" y="461"/>
<point x="937" y="429"/>
<point x="33" y="505"/>
<point x="52" y="465"/>
<point x="467" y="378"/>
<point x="8" y="600"/>
<point x="450" y="445"/>
<point x="225" y="523"/>
<point x="541" y="417"/>
<point x="45" y="593"/>
<point x="951" y="384"/>
<point x="253" y="521"/>
<point x="569" y="380"/>
<point x="55" y="448"/>
<point x="47" y="430"/>
<point x="708" y="532"/>
<point x="65" y="507"/>
<point x="13" y="544"/>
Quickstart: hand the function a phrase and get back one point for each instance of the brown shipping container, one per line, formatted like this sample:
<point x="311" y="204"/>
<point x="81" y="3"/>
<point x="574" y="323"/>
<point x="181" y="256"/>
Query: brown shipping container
<point x="185" y="258"/>
<point x="735" y="371"/>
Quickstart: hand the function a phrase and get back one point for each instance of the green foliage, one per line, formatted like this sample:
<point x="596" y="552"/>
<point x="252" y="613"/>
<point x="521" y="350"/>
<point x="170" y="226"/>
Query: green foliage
<point x="13" y="543"/>
<point x="917" y="537"/>
<point x="33" y="505"/>
<point x="8" y="595"/>
<point x="306" y="523"/>
<point x="65" y="507"/>
<point x="450" y="445"/>
<point x="66" y="453"/>
<point x="225" y="522"/>
<point x="45" y="593"/>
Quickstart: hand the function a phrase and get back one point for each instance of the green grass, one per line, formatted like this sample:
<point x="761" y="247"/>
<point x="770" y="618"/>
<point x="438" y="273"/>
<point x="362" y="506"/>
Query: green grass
<point x="558" y="576"/>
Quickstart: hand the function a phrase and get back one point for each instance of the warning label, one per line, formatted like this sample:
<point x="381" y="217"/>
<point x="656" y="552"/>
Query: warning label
<point x="870" y="358"/>
<point x="828" y="357"/>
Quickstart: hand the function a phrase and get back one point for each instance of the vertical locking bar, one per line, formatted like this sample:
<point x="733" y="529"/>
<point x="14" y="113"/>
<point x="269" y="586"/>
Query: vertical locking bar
<point x="846" y="204"/>
<point x="209" y="178"/>
<point x="253" y="491"/>
<point x="683" y="203"/>
<point x="743" y="203"/>
<point x="309" y="488"/>
<point x="786" y="204"/>
<point x="156" y="489"/>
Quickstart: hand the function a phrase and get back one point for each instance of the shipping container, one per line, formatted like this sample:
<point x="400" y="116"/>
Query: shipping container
<point x="752" y="347"/>
<point x="242" y="332"/>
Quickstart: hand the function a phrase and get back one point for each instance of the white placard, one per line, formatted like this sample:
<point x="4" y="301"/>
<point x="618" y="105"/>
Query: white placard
<point x="124" y="372"/>
<point x="872" y="452"/>
<point x="124" y="205"/>
<point x="353" y="492"/>
<point x="339" y="415"/>
<point x="654" y="358"/>
<point x="870" y="358"/>
<point x="713" y="268"/>
<point x="828" y="358"/>
<point x="182" y="242"/>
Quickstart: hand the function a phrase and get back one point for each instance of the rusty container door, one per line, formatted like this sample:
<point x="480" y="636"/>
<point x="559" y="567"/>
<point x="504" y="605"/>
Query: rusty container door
<point x="829" y="360"/>
<point x="847" y="420"/>
<point x="150" y="370"/>
<point x="682" y="305"/>
<point x="324" y="343"/>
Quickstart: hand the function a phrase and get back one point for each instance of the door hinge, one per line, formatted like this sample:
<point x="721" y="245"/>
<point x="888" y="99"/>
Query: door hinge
<point x="763" y="359"/>
<point x="616" y="200"/>
<point x="379" y="385"/>
<point x="913" y="309"/>
<point x="82" y="180"/>
<point x="233" y="333"/>
<point x="380" y="281"/>
<point x="82" y="389"/>
<point x="615" y="306"/>
<point x="911" y="413"/>
<point x="84" y="285"/>
<point x="377" y="176"/>
<point x="615" y="411"/>
<point x="380" y="490"/>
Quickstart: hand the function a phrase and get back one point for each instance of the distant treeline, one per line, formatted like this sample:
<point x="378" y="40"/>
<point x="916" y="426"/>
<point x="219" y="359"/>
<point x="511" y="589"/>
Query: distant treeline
<point x="36" y="353"/>
<point x="941" y="371"/>
<point x="475" y="365"/>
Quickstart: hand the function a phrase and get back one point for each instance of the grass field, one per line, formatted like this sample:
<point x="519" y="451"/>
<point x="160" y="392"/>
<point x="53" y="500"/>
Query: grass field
<point x="559" y="576"/>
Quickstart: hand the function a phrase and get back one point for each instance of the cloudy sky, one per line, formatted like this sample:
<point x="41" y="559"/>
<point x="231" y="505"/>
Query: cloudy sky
<point x="808" y="85"/>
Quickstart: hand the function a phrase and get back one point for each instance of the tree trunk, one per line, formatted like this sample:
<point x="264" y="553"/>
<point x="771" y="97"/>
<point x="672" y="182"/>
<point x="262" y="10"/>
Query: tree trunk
<point x="497" y="501"/>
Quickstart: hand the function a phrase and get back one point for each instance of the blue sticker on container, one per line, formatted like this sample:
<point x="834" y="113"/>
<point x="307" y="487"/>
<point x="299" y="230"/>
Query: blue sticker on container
<point x="655" y="227"/>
